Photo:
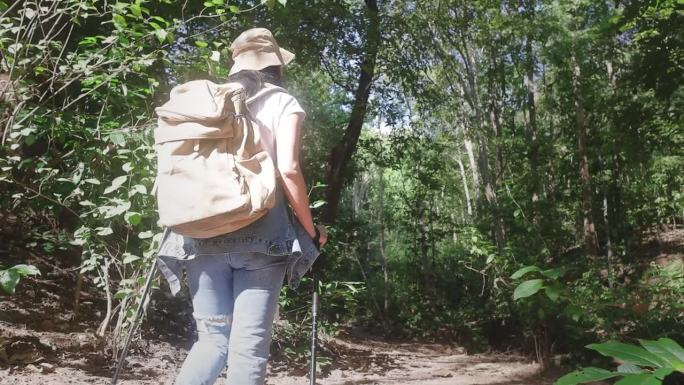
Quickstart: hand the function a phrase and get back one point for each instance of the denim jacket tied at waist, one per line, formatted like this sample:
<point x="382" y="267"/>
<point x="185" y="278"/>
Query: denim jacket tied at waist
<point x="275" y="234"/>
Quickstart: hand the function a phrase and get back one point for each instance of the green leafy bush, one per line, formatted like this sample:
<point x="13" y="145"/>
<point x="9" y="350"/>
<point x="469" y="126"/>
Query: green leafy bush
<point x="76" y="106"/>
<point x="645" y="365"/>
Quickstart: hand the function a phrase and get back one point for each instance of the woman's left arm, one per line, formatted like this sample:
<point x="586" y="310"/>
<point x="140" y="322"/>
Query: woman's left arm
<point x="287" y="149"/>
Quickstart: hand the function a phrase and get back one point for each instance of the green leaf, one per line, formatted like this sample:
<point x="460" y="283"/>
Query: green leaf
<point x="25" y="270"/>
<point x="269" y="3"/>
<point x="145" y="235"/>
<point x="628" y="353"/>
<point x="116" y="183"/>
<point x="662" y="373"/>
<point x="81" y="236"/>
<point x="201" y="44"/>
<point x="661" y="350"/>
<point x="127" y="167"/>
<point x="128" y="258"/>
<point x="317" y="204"/>
<point x="8" y="280"/>
<point x="110" y="39"/>
<point x="553" y="273"/>
<point x="161" y="35"/>
<point x="136" y="10"/>
<point x="521" y="272"/>
<point x="629" y="369"/>
<point x="137" y="189"/>
<point x="584" y="376"/>
<point x="30" y="139"/>
<point x="528" y="288"/>
<point x="3" y="6"/>
<point x="133" y="217"/>
<point x="123" y="293"/>
<point x="92" y="181"/>
<point x="88" y="41"/>
<point x="639" y="379"/>
<point x="672" y="347"/>
<point x="104" y="231"/>
<point x="554" y="292"/>
<point x="112" y="211"/>
<point x="233" y="9"/>
<point x="119" y="21"/>
<point x="283" y="2"/>
<point x="27" y="131"/>
<point x="160" y="19"/>
<point x="117" y="138"/>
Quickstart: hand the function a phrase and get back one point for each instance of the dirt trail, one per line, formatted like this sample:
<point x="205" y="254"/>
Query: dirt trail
<point x="425" y="364"/>
<point x="41" y="343"/>
<point x="367" y="362"/>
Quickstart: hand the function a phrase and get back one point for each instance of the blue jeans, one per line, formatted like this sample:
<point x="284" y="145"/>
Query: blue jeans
<point x="234" y="299"/>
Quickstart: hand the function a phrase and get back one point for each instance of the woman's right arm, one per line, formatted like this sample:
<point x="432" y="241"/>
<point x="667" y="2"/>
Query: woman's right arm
<point x="287" y="149"/>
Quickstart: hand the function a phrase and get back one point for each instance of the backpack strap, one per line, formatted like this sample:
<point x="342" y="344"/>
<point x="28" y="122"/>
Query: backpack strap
<point x="266" y="90"/>
<point x="244" y="117"/>
<point x="269" y="88"/>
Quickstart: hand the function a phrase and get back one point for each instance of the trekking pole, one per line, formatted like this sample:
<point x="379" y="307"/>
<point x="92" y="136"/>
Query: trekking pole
<point x="136" y="320"/>
<point x="314" y="334"/>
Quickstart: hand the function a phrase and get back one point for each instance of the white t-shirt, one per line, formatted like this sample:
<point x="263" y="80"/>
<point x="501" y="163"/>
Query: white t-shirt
<point x="268" y="111"/>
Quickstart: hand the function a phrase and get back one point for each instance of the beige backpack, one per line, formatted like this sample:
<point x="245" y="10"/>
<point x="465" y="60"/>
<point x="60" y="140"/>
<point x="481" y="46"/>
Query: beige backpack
<point x="213" y="177"/>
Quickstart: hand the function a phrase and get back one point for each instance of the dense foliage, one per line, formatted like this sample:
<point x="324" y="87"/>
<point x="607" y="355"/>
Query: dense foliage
<point x="651" y="363"/>
<point x="491" y="169"/>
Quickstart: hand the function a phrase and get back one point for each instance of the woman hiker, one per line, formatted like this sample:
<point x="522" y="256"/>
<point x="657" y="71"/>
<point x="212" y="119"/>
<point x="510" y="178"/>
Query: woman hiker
<point x="235" y="279"/>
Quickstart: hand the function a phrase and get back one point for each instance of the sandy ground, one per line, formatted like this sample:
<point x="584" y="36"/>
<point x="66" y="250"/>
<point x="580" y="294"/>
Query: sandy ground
<point x="41" y="343"/>
<point x="425" y="364"/>
<point x="67" y="358"/>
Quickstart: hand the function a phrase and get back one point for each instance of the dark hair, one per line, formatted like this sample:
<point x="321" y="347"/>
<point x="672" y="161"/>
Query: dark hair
<point x="253" y="81"/>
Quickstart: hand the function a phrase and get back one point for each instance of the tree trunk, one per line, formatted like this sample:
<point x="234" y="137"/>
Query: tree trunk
<point x="359" y="191"/>
<point x="383" y="252"/>
<point x="589" y="228"/>
<point x="471" y="92"/>
<point x="473" y="166"/>
<point x="342" y="152"/>
<point x="466" y="191"/>
<point x="618" y="230"/>
<point x="533" y="152"/>
<point x="609" y="244"/>
<point x="493" y="179"/>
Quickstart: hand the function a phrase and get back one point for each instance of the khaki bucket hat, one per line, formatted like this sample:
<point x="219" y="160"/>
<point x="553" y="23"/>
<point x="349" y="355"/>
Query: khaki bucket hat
<point x="256" y="49"/>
